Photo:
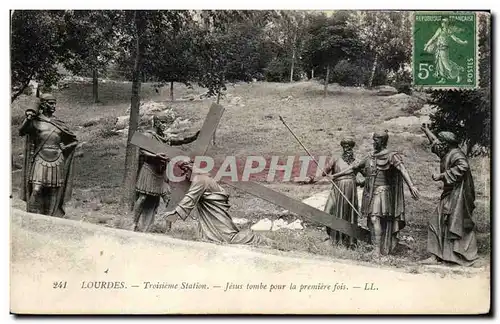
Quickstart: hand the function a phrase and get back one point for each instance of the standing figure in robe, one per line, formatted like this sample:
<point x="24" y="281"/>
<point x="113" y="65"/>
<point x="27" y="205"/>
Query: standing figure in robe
<point x="152" y="182"/>
<point x="212" y="205"/>
<point x="383" y="199"/>
<point x="336" y="204"/>
<point x="451" y="232"/>
<point x="48" y="159"/>
<point x="439" y="45"/>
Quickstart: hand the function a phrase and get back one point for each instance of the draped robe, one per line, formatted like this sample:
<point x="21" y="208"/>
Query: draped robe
<point x="451" y="235"/>
<point x="211" y="203"/>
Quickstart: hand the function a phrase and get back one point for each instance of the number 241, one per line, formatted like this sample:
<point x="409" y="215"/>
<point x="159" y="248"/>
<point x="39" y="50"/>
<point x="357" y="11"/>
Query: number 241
<point x="424" y="69"/>
<point x="59" y="284"/>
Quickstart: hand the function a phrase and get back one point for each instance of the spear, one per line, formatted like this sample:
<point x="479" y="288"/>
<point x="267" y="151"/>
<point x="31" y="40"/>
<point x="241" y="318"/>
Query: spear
<point x="319" y="167"/>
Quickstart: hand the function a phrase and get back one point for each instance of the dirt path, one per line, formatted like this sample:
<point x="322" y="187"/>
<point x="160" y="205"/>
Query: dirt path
<point x="47" y="250"/>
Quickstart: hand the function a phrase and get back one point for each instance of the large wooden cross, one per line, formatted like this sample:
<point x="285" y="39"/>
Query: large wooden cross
<point x="201" y="146"/>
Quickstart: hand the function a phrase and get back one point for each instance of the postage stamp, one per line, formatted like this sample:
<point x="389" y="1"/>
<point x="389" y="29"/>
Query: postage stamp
<point x="445" y="50"/>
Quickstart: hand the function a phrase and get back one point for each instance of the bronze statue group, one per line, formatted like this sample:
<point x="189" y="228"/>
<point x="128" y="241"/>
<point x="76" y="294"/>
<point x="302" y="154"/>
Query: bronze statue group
<point x="47" y="183"/>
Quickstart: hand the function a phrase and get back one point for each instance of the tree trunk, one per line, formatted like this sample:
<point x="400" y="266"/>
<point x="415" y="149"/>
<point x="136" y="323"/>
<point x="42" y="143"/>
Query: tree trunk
<point x="95" y="86"/>
<point x="218" y="100"/>
<point x="171" y="90"/>
<point x="293" y="58"/>
<point x="132" y="151"/>
<point x="374" y="68"/>
<point x="312" y="74"/>
<point x="327" y="78"/>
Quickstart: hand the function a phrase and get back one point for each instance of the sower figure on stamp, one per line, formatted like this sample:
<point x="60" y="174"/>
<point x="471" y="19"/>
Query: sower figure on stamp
<point x="336" y="204"/>
<point x="211" y="202"/>
<point x="451" y="234"/>
<point x="383" y="199"/>
<point x="152" y="182"/>
<point x="48" y="160"/>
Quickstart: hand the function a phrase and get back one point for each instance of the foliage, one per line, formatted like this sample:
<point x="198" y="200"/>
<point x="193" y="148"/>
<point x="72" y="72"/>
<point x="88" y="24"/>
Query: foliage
<point x="169" y="56"/>
<point x="36" y="48"/>
<point x="91" y="38"/>
<point x="468" y="113"/>
<point x="385" y="37"/>
<point x="228" y="51"/>
<point x="330" y="40"/>
<point x="278" y="70"/>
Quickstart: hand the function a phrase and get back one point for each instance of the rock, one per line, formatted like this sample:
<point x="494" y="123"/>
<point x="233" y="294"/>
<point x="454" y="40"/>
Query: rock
<point x="240" y="221"/>
<point x="150" y="107"/>
<point x="399" y="96"/>
<point x="235" y="101"/>
<point x="386" y="90"/>
<point x="318" y="200"/>
<point x="122" y="122"/>
<point x="426" y="110"/>
<point x="262" y="225"/>
<point x="278" y="224"/>
<point x="296" y="225"/>
<point x="408" y="121"/>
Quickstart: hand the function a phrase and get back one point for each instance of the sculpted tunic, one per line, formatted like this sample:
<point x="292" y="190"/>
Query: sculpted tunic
<point x="337" y="205"/>
<point x="152" y="179"/>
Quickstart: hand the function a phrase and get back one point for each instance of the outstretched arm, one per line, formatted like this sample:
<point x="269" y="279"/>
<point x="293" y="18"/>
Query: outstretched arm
<point x="406" y="177"/>
<point x="458" y="40"/>
<point x="326" y="171"/>
<point x="187" y="140"/>
<point x="430" y="136"/>
<point x="189" y="202"/>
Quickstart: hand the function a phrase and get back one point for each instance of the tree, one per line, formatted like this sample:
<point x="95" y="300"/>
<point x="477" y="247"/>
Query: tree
<point x="331" y="39"/>
<point x="228" y="48"/>
<point x="36" y="48"/>
<point x="385" y="35"/>
<point x="91" y="38"/>
<point x="468" y="113"/>
<point x="284" y="37"/>
<point x="139" y="21"/>
<point x="171" y="58"/>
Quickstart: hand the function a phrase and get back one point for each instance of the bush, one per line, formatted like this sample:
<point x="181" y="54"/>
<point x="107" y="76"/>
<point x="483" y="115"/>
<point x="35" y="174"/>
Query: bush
<point x="402" y="81"/>
<point x="347" y="73"/>
<point x="278" y="70"/>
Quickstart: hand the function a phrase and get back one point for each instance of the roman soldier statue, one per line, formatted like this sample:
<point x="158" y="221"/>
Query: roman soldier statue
<point x="152" y="183"/>
<point x="48" y="159"/>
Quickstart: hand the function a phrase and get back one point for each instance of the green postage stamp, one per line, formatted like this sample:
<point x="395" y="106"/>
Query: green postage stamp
<point x="445" y="50"/>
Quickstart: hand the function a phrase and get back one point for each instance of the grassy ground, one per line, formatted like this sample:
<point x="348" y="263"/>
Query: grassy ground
<point x="250" y="126"/>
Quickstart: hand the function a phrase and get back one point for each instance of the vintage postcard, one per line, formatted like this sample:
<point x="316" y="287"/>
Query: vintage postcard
<point x="250" y="162"/>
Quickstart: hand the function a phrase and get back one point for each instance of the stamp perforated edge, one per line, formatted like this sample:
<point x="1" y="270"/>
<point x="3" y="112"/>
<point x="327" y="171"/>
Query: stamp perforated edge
<point x="477" y="54"/>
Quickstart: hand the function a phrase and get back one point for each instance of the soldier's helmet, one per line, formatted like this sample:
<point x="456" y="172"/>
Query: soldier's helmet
<point x="384" y="136"/>
<point x="47" y="100"/>
<point x="165" y="117"/>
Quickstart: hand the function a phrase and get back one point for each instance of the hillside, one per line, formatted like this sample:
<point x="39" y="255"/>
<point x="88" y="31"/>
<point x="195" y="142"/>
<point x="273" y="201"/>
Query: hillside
<point x="250" y="126"/>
